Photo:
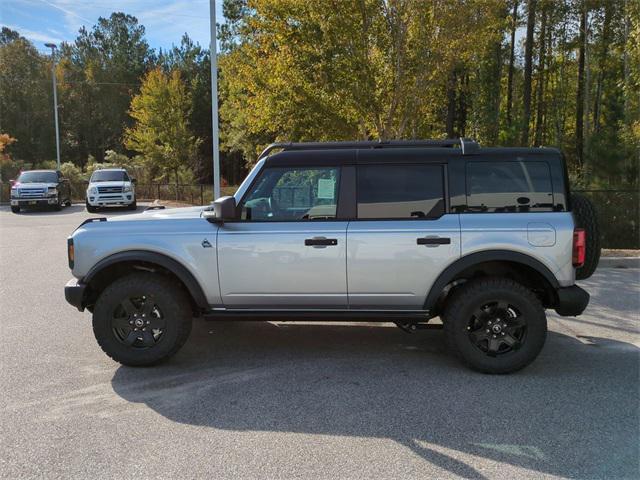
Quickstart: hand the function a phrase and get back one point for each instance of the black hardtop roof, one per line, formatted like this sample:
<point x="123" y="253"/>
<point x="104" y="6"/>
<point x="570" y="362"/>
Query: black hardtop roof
<point x="401" y="150"/>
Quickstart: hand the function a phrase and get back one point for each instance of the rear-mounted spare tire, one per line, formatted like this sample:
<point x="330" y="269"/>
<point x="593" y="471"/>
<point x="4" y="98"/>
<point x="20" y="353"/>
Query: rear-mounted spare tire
<point x="584" y="213"/>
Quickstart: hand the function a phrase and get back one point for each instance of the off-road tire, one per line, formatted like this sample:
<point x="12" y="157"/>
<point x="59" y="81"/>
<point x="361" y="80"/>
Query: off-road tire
<point x="15" y="209"/>
<point x="170" y="299"/>
<point x="584" y="213"/>
<point x="67" y="203"/>
<point x="133" y="206"/>
<point x="471" y="296"/>
<point x="91" y="209"/>
<point x="58" y="206"/>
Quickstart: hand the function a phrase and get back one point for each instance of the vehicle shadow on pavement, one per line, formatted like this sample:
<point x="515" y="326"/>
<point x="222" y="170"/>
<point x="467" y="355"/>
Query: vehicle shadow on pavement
<point x="47" y="211"/>
<point x="572" y="413"/>
<point x="76" y="208"/>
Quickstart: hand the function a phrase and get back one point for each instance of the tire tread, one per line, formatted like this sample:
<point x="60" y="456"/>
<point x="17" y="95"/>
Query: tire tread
<point x="180" y="300"/>
<point x="457" y="301"/>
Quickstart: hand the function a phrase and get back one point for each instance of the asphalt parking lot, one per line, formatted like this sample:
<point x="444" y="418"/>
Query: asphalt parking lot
<point x="286" y="400"/>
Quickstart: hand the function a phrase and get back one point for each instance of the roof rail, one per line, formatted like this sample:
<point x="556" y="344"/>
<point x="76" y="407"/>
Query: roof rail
<point x="467" y="145"/>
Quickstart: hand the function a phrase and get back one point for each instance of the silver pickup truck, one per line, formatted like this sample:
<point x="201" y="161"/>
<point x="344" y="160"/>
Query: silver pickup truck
<point x="484" y="238"/>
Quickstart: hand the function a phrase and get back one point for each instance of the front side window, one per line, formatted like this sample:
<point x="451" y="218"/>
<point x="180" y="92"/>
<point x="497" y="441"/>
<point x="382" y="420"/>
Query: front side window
<point x="509" y="187"/>
<point x="293" y="193"/>
<point x="400" y="191"/>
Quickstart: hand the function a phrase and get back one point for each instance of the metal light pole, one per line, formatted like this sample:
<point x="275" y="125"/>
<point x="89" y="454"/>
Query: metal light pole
<point x="214" y="100"/>
<point x="53" y="47"/>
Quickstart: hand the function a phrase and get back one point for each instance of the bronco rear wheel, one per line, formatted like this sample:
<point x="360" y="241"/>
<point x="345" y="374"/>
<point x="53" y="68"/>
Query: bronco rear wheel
<point x="142" y="319"/>
<point x="495" y="325"/>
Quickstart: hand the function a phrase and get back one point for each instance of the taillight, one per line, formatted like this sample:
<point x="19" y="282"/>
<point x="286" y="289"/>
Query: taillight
<point x="70" y="252"/>
<point x="579" y="247"/>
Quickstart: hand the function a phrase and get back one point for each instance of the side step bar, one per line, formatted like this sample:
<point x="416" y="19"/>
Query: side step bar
<point x="399" y="316"/>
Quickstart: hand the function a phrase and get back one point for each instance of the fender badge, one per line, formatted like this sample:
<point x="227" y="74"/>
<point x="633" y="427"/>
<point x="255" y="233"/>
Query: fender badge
<point x="206" y="243"/>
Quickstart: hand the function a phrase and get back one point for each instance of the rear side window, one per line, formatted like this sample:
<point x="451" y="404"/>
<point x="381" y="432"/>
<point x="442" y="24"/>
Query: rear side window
<point x="400" y="191"/>
<point x="509" y="187"/>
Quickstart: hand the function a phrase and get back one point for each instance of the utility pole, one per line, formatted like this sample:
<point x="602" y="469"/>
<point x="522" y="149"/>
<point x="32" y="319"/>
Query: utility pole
<point x="213" y="49"/>
<point x="53" y="48"/>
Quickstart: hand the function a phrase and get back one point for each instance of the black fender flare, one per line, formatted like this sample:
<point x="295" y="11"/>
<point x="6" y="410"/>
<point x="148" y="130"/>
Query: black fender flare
<point x="449" y="273"/>
<point x="164" y="261"/>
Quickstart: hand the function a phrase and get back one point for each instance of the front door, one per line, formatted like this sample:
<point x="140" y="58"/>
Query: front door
<point x="402" y="238"/>
<point x="288" y="250"/>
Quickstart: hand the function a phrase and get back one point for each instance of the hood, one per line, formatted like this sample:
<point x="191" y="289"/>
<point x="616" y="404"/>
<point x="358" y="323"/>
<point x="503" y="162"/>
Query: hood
<point x="35" y="185"/>
<point x="167" y="213"/>
<point x="119" y="183"/>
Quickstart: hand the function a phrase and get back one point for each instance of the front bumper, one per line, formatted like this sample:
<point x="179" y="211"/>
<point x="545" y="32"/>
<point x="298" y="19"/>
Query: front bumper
<point x="33" y="202"/>
<point x="74" y="293"/>
<point x="572" y="301"/>
<point x="109" y="199"/>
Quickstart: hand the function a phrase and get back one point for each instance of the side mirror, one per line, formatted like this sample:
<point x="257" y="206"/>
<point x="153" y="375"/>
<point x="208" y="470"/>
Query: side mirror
<point x="224" y="208"/>
<point x="134" y="181"/>
<point x="12" y="182"/>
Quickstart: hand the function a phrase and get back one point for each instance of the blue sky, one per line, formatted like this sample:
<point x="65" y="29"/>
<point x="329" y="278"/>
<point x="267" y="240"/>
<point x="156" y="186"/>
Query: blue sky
<point x="165" y="21"/>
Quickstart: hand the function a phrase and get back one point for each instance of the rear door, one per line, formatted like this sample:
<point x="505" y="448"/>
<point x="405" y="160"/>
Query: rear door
<point x="403" y="236"/>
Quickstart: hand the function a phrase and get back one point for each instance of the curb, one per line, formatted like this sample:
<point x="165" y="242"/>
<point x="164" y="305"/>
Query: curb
<point x="619" y="262"/>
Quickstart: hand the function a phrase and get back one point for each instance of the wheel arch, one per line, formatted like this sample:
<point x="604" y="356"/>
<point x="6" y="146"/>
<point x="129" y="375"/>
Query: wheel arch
<point x="115" y="266"/>
<point x="517" y="264"/>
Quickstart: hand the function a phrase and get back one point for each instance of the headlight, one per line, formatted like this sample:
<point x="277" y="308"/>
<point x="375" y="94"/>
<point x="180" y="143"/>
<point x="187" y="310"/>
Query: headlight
<point x="92" y="191"/>
<point x="15" y="192"/>
<point x="52" y="191"/>
<point x="127" y="188"/>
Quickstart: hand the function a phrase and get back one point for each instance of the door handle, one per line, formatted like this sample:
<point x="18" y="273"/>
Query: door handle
<point x="433" y="241"/>
<point x="320" y="242"/>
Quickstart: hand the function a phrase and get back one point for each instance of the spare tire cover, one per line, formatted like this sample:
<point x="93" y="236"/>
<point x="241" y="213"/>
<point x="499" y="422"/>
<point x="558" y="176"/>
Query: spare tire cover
<point x="584" y="213"/>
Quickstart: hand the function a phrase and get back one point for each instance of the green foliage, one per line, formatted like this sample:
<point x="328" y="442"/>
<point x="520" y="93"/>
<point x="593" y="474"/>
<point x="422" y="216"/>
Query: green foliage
<point x="194" y="64"/>
<point x="72" y="172"/>
<point x="115" y="158"/>
<point x="295" y="70"/>
<point x="47" y="165"/>
<point x="161" y="131"/>
<point x="26" y="103"/>
<point x="98" y="75"/>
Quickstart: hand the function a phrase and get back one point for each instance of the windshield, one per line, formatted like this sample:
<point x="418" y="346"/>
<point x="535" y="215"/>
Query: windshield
<point x="109" y="176"/>
<point x="38" y="177"/>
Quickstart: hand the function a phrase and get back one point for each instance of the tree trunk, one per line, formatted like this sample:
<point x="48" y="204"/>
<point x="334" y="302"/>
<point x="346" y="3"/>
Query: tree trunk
<point x="514" y="25"/>
<point x="177" y="184"/>
<point x="451" y="104"/>
<point x="580" y="87"/>
<point x="528" y="56"/>
<point x="602" y="62"/>
<point x="541" y="76"/>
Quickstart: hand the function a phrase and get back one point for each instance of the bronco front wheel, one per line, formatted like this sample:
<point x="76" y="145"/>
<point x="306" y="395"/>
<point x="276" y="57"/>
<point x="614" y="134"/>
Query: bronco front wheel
<point x="495" y="325"/>
<point x="142" y="319"/>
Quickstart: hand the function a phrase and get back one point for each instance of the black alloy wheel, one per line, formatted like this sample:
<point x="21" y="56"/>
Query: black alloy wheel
<point x="497" y="328"/>
<point x="138" y="322"/>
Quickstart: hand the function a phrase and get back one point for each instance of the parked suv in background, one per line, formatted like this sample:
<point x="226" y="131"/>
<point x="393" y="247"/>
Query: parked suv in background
<point x="484" y="238"/>
<point x="111" y="187"/>
<point x="40" y="188"/>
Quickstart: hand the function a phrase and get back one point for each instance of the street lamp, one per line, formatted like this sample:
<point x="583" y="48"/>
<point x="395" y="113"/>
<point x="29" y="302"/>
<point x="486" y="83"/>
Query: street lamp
<point x="214" y="99"/>
<point x="53" y="48"/>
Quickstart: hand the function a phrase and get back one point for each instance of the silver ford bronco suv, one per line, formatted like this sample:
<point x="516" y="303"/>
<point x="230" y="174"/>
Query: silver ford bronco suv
<point x="401" y="231"/>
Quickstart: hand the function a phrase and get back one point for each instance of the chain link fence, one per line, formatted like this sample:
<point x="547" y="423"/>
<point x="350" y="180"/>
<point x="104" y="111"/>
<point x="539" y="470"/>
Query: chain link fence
<point x="618" y="210"/>
<point x="618" y="216"/>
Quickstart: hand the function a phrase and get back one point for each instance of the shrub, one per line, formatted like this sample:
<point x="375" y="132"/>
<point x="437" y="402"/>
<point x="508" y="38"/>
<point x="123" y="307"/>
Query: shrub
<point x="72" y="172"/>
